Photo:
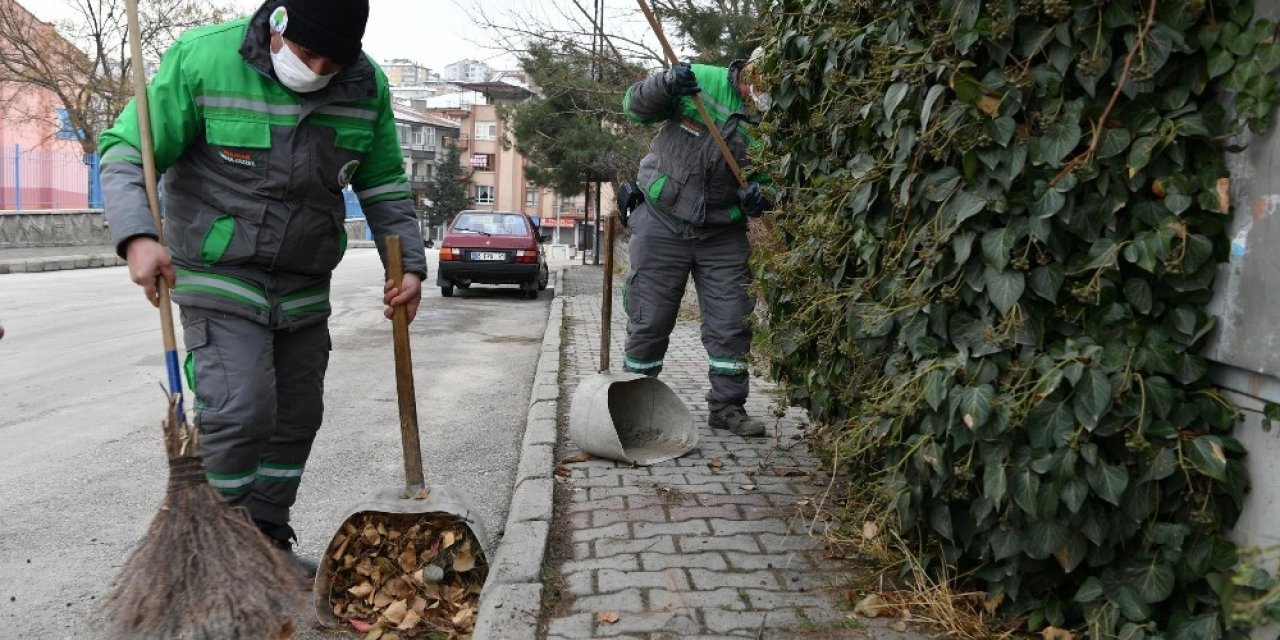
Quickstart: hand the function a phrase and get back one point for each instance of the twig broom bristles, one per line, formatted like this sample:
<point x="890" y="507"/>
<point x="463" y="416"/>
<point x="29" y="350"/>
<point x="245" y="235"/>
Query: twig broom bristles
<point x="203" y="571"/>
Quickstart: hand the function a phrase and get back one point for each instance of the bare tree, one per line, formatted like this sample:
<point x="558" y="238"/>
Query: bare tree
<point x="84" y="62"/>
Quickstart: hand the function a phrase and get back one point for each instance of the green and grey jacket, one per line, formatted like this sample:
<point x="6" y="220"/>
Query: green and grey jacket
<point x="684" y="176"/>
<point x="253" y="174"/>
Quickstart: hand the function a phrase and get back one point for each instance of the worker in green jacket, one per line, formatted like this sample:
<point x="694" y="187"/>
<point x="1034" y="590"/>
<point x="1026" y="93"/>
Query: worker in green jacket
<point x="691" y="219"/>
<point x="259" y="125"/>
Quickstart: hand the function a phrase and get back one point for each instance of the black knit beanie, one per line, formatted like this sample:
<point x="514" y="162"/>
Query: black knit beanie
<point x="331" y="28"/>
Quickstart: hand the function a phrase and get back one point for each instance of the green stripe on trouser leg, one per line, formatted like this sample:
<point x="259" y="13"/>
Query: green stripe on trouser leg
<point x="273" y="472"/>
<point x="231" y="483"/>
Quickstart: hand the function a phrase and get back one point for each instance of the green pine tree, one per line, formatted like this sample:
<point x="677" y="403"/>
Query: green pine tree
<point x="449" y="190"/>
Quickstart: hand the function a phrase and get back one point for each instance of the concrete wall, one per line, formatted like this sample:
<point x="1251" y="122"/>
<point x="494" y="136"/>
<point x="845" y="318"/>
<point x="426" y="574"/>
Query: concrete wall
<point x="65" y="228"/>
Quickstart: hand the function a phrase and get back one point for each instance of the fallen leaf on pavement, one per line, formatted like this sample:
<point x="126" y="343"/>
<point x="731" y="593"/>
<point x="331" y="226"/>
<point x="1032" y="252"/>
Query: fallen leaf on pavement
<point x="870" y="530"/>
<point x="788" y="472"/>
<point x="422" y="493"/>
<point x="360" y="625"/>
<point x="581" y="456"/>
<point x="749" y="487"/>
<point x="871" y="606"/>
<point x="563" y="471"/>
<point x="1054" y="633"/>
<point x="607" y="617"/>
<point x="716" y="463"/>
<point x="993" y="603"/>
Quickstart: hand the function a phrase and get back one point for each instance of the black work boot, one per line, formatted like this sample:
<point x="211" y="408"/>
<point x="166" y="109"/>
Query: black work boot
<point x="734" y="418"/>
<point x="283" y="537"/>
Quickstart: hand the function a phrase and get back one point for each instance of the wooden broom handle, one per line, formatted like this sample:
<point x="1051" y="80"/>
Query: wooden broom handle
<point x="606" y="303"/>
<point x="413" y="476"/>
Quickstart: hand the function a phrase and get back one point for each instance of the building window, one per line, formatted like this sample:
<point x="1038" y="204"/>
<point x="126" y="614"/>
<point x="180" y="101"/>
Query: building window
<point x="530" y="197"/>
<point x="429" y="137"/>
<point x="484" y="194"/>
<point x="419" y="137"/>
<point x="486" y="130"/>
<point x="405" y="133"/>
<point x="482" y="161"/>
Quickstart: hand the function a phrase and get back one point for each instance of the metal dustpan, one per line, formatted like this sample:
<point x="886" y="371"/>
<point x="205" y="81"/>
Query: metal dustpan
<point x="627" y="417"/>
<point x="417" y="501"/>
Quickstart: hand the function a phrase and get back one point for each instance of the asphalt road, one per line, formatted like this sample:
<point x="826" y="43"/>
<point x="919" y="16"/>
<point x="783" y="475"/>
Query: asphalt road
<point x="81" y="464"/>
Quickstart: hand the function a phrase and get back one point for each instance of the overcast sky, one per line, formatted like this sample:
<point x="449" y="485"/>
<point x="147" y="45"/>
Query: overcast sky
<point x="433" y="32"/>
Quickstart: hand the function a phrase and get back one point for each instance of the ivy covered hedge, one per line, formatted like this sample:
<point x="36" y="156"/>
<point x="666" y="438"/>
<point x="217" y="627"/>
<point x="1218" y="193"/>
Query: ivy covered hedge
<point x="999" y="224"/>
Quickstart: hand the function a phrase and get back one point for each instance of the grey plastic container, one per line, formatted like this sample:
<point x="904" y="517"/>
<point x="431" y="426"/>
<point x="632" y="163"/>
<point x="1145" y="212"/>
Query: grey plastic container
<point x="630" y="418"/>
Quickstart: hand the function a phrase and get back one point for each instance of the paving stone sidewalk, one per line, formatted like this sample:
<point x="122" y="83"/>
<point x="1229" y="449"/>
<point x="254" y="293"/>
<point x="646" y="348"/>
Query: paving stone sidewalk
<point x="713" y="544"/>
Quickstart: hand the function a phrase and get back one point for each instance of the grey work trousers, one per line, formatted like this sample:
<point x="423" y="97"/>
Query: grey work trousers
<point x="661" y="263"/>
<point x="259" y="401"/>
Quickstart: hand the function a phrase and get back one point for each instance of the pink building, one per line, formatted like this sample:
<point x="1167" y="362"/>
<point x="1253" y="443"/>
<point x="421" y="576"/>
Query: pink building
<point x="41" y="162"/>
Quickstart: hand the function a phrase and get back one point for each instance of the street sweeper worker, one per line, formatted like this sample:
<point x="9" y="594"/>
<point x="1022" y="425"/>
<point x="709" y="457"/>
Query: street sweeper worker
<point x="691" y="217"/>
<point x="259" y="125"/>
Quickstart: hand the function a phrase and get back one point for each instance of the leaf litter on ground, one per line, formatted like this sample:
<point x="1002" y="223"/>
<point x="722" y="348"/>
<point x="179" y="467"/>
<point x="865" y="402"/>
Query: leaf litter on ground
<point x="405" y="576"/>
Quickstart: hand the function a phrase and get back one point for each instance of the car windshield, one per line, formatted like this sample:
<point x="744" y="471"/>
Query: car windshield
<point x="498" y="224"/>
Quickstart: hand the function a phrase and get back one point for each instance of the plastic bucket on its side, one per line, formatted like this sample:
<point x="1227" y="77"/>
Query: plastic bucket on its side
<point x="630" y="418"/>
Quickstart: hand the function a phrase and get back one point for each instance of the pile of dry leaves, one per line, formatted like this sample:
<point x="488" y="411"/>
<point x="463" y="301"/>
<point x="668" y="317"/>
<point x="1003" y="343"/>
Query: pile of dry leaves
<point x="406" y="576"/>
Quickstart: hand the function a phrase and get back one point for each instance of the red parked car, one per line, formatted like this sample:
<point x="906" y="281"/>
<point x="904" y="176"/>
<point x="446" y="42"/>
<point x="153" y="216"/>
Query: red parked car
<point x="492" y="247"/>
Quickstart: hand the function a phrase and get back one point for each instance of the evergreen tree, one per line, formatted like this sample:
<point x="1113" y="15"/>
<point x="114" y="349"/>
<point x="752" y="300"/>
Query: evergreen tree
<point x="449" y="190"/>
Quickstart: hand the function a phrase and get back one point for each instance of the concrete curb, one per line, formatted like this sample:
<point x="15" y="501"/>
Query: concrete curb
<point x="60" y="263"/>
<point x="512" y="599"/>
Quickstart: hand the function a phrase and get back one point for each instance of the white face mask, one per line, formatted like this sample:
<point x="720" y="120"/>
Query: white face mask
<point x="294" y="73"/>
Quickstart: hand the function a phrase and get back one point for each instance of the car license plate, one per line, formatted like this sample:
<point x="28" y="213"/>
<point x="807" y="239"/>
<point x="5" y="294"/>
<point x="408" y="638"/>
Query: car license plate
<point x="488" y="256"/>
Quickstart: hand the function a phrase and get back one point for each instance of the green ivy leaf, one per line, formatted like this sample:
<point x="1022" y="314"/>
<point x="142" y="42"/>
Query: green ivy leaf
<point x="1131" y="606"/>
<point x="1090" y="590"/>
<point x="1112" y="142"/>
<point x="1189" y="368"/>
<point x="1108" y="481"/>
<point x="1004" y="288"/>
<point x="1049" y="423"/>
<point x="1002" y="129"/>
<point x="1177" y="202"/>
<point x="1046" y="281"/>
<point x="995" y="483"/>
<point x="1207" y="456"/>
<point x="1043" y="538"/>
<point x="930" y="99"/>
<point x="974" y="403"/>
<point x="1026" y="485"/>
<point x="893" y="97"/>
<point x="936" y="383"/>
<point x="1053" y="146"/>
<point x="1163" y="465"/>
<point x="1074" y="492"/>
<point x="1006" y="543"/>
<point x="1138" y="293"/>
<point x="1091" y="398"/>
<point x="1201" y="627"/>
<point x="996" y="245"/>
<point x="962" y="206"/>
<point x="1159" y="395"/>
<point x="1140" y="154"/>
<point x="1154" y="582"/>
<point x="1048" y="204"/>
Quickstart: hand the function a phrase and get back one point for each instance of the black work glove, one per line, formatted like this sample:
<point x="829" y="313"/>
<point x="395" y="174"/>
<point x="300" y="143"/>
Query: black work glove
<point x="629" y="197"/>
<point x="753" y="200"/>
<point x="680" y="80"/>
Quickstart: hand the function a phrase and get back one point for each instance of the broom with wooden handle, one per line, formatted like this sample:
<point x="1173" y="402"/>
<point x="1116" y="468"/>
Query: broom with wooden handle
<point x="203" y="570"/>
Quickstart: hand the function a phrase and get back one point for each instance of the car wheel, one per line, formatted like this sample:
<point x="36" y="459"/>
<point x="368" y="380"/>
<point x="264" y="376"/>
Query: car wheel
<point x="531" y="294"/>
<point x="447" y="291"/>
<point x="542" y="279"/>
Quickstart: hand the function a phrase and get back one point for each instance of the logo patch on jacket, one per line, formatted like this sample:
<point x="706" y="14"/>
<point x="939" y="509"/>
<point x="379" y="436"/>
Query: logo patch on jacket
<point x="240" y="158"/>
<point x="347" y="172"/>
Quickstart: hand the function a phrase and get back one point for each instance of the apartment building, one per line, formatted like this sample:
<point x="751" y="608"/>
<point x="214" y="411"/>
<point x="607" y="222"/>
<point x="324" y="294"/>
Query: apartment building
<point x="499" y="180"/>
<point x="467" y="71"/>
<point x="406" y="73"/>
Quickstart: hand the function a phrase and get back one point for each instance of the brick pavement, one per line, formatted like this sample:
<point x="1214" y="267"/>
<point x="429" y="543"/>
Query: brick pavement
<point x="713" y="544"/>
